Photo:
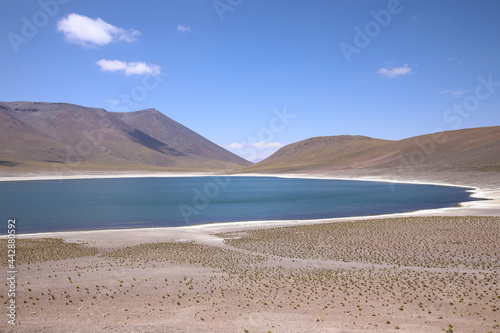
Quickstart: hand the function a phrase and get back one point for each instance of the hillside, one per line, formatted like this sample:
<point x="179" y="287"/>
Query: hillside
<point x="158" y="126"/>
<point x="66" y="137"/>
<point x="448" y="155"/>
<point x="339" y="151"/>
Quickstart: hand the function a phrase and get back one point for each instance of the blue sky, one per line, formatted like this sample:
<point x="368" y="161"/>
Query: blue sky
<point x="256" y="75"/>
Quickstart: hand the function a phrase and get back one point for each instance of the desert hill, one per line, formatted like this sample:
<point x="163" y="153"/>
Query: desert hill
<point x="47" y="136"/>
<point x="446" y="155"/>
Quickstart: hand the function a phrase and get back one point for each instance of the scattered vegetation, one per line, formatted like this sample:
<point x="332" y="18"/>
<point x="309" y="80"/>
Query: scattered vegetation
<point x="429" y="242"/>
<point x="442" y="273"/>
<point x="185" y="252"/>
<point x="29" y="251"/>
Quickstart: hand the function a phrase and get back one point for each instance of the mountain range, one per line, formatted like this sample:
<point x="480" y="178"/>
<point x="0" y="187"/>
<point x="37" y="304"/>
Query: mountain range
<point x="67" y="137"/>
<point x="60" y="137"/>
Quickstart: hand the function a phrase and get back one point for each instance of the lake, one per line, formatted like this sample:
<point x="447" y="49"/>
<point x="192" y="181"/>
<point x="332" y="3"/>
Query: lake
<point x="90" y="204"/>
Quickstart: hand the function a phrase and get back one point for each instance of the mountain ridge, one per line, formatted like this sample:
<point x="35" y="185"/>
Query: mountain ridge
<point x="153" y="123"/>
<point x="451" y="154"/>
<point x="44" y="136"/>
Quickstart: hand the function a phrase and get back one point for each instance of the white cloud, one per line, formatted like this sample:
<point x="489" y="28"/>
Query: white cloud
<point x="455" y="93"/>
<point x="86" y="31"/>
<point x="183" y="28"/>
<point x="235" y="145"/>
<point x="128" y="67"/>
<point x="394" y="72"/>
<point x="262" y="144"/>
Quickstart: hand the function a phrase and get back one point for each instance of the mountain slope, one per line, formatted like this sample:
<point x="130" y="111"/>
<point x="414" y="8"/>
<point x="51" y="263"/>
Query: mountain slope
<point x="66" y="136"/>
<point x="468" y="150"/>
<point x="162" y="128"/>
<point x="340" y="151"/>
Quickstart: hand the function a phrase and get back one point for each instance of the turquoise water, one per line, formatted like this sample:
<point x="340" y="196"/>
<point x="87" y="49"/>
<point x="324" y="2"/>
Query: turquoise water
<point x="55" y="205"/>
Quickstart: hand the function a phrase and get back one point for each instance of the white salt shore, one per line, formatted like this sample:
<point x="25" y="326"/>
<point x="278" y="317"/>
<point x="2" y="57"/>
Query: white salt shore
<point x="488" y="207"/>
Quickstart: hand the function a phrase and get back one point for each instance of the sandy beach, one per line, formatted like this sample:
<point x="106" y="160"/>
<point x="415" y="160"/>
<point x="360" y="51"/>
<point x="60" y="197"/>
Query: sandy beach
<point x="429" y="270"/>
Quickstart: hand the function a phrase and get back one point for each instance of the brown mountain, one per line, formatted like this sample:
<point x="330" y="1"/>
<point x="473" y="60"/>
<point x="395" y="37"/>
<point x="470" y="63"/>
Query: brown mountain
<point x="449" y="155"/>
<point x="57" y="136"/>
<point x="319" y="152"/>
<point x="164" y="129"/>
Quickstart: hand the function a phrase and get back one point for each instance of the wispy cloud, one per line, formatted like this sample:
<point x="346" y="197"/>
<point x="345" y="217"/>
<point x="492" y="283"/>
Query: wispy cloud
<point x="455" y="93"/>
<point x="183" y="28"/>
<point x="89" y="32"/>
<point x="394" y="72"/>
<point x="113" y="101"/>
<point x="451" y="59"/>
<point x="129" y="68"/>
<point x="262" y="144"/>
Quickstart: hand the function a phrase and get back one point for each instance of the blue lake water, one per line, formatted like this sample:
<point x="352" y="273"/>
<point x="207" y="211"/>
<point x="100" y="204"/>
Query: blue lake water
<point x="89" y="204"/>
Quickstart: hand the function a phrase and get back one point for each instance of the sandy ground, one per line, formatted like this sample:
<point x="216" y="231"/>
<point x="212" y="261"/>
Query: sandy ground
<point x="195" y="278"/>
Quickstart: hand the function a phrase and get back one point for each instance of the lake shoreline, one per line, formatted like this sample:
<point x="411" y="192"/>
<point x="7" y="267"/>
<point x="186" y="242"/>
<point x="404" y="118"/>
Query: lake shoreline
<point x="489" y="205"/>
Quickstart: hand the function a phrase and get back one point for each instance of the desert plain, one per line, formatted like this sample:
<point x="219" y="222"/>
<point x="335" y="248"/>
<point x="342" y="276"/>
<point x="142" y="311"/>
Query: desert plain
<point x="424" y="271"/>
